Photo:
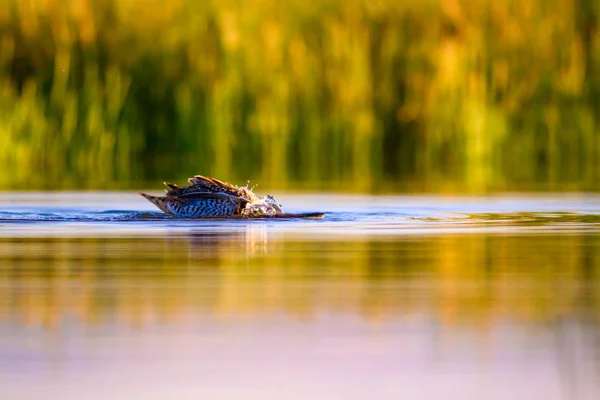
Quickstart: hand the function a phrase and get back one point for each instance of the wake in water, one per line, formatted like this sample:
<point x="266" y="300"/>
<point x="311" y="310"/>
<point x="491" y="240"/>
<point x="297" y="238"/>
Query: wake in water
<point x="116" y="214"/>
<point x="82" y="216"/>
<point x="519" y="218"/>
<point x="123" y="216"/>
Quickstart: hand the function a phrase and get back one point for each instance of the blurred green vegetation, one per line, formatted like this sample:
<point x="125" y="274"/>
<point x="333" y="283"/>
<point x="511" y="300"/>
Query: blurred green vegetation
<point x="443" y="95"/>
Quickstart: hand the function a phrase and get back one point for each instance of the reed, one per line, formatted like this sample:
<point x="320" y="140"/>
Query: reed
<point x="472" y="94"/>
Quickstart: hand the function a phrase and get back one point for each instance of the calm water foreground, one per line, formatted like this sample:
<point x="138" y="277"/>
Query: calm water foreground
<point x="386" y="298"/>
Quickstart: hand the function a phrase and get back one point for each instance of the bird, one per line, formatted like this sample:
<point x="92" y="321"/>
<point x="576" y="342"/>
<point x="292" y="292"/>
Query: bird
<point x="211" y="198"/>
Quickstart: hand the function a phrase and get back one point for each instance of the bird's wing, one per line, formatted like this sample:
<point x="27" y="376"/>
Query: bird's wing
<point x="202" y="186"/>
<point x="207" y="195"/>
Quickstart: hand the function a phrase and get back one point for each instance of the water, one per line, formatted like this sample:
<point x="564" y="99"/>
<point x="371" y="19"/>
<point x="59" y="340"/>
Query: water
<point x="388" y="297"/>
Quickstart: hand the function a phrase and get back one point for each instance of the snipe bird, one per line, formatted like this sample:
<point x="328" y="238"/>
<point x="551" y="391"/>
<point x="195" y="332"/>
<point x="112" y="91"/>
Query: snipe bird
<point x="210" y="197"/>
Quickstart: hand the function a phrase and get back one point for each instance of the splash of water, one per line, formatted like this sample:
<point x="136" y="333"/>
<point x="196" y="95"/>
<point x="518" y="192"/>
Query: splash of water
<point x="259" y="206"/>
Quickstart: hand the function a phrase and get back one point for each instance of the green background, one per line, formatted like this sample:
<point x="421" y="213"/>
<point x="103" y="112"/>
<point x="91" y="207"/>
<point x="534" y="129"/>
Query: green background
<point x="352" y="95"/>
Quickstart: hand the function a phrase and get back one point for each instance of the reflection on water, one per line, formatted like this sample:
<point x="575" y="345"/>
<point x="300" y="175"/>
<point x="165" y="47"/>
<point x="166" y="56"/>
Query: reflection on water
<point x="387" y="298"/>
<point x="244" y="313"/>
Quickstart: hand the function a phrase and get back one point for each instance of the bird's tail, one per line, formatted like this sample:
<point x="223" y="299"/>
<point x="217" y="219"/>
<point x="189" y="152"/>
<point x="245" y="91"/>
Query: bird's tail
<point x="160" y="202"/>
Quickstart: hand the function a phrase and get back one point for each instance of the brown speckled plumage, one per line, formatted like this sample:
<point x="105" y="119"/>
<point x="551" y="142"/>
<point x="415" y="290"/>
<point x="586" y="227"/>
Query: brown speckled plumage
<point x="210" y="197"/>
<point x="204" y="197"/>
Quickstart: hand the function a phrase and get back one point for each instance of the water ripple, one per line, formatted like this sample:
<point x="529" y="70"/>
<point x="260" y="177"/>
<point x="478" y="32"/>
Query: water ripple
<point x="398" y="215"/>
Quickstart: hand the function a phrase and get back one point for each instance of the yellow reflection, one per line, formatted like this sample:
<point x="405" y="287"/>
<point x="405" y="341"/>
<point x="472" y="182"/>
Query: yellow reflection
<point x="472" y="280"/>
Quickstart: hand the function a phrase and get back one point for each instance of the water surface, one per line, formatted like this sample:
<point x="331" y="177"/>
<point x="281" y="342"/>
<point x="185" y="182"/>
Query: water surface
<point x="388" y="297"/>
